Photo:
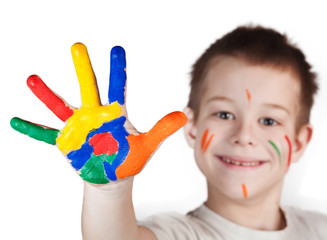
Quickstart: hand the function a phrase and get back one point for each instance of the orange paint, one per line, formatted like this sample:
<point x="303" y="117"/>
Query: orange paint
<point x="144" y="144"/>
<point x="208" y="143"/>
<point x="204" y="138"/>
<point x="204" y="143"/>
<point x="248" y="95"/>
<point x="245" y="192"/>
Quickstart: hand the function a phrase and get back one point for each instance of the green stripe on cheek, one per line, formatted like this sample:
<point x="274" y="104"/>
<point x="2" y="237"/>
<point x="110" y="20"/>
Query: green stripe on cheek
<point x="277" y="150"/>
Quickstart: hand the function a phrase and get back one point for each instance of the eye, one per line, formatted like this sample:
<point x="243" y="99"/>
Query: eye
<point x="268" y="122"/>
<point x="225" y="115"/>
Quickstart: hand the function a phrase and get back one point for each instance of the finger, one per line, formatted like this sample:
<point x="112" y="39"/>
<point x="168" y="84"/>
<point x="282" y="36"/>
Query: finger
<point x="85" y="75"/>
<point x="143" y="145"/>
<point x="35" y="131"/>
<point x="49" y="98"/>
<point x="117" y="79"/>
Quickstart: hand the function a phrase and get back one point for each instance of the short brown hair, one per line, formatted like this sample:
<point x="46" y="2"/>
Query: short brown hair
<point x="259" y="46"/>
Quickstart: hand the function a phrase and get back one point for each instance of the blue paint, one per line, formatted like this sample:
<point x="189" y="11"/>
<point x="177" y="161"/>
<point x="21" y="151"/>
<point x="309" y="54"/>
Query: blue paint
<point x="120" y="134"/>
<point x="116" y="128"/>
<point x="117" y="79"/>
<point x="110" y="172"/>
<point x="81" y="156"/>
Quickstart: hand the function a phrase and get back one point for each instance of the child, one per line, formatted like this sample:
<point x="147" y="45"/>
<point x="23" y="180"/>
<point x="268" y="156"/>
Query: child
<point x="248" y="121"/>
<point x="248" y="111"/>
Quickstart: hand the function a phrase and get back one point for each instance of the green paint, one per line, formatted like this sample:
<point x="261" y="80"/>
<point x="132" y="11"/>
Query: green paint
<point x="35" y="131"/>
<point x="277" y="150"/>
<point x="93" y="171"/>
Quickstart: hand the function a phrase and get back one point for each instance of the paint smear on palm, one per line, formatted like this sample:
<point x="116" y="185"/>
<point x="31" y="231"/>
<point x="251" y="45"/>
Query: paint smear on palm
<point x="204" y="142"/>
<point x="94" y="138"/>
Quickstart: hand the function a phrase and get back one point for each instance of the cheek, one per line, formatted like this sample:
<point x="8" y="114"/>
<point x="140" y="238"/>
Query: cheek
<point x="280" y="148"/>
<point x="206" y="140"/>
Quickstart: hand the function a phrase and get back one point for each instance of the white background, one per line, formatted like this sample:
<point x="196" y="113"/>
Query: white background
<point x="40" y="196"/>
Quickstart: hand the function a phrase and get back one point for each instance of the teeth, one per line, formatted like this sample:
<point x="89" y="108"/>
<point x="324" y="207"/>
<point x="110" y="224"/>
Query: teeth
<point x="245" y="164"/>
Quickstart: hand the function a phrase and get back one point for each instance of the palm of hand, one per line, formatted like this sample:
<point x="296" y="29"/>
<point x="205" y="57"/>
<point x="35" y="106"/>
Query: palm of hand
<point x="95" y="139"/>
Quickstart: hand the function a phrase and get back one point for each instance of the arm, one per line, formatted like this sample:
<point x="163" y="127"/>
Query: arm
<point x="102" y="146"/>
<point x="109" y="213"/>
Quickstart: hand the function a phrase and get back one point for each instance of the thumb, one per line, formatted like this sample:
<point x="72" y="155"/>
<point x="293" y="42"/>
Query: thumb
<point x="144" y="144"/>
<point x="165" y="127"/>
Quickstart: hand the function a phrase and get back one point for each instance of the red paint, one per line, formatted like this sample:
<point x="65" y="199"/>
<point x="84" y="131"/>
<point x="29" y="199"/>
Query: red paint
<point x="245" y="191"/>
<point x="104" y="143"/>
<point x="49" y="98"/>
<point x="289" y="150"/>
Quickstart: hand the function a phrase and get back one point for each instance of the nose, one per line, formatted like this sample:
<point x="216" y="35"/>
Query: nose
<point x="243" y="134"/>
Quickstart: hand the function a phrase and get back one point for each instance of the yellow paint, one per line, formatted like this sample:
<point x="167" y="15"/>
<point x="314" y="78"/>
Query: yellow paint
<point x="85" y="119"/>
<point x="85" y="75"/>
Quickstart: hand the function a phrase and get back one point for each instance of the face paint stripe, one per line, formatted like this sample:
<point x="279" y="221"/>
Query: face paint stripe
<point x="208" y="143"/>
<point x="204" y="138"/>
<point x="245" y="192"/>
<point x="248" y="95"/>
<point x="117" y="78"/>
<point x="35" y="131"/>
<point x="49" y="98"/>
<point x="289" y="150"/>
<point x="277" y="150"/>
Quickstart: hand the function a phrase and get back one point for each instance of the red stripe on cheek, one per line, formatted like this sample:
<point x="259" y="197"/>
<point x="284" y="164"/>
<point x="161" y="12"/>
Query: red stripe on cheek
<point x="51" y="100"/>
<point x="289" y="150"/>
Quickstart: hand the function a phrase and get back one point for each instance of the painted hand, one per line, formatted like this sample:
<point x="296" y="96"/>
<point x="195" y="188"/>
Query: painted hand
<point x="98" y="140"/>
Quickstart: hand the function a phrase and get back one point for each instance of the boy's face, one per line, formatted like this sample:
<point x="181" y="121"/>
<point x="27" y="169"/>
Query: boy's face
<point x="244" y="138"/>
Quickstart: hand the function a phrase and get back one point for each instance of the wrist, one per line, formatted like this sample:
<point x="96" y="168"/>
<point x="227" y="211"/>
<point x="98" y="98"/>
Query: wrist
<point x="113" y="186"/>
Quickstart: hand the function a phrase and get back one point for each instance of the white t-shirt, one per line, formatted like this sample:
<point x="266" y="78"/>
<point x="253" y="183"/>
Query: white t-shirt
<point x="205" y="224"/>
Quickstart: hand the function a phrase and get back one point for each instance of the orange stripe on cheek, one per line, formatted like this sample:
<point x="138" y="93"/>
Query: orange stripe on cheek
<point x="208" y="143"/>
<point x="204" y="139"/>
<point x="245" y="192"/>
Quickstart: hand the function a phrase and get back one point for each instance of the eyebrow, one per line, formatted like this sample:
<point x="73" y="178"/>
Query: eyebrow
<point x="277" y="106"/>
<point x="220" y="98"/>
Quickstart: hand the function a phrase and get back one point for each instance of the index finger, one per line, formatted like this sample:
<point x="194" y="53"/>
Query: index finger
<point x="117" y="79"/>
<point x="85" y="75"/>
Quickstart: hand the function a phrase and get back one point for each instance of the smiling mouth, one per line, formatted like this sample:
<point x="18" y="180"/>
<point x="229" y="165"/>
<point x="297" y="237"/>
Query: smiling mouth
<point x="230" y="161"/>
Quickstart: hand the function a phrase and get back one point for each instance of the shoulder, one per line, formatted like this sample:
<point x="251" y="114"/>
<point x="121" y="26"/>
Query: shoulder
<point x="304" y="216"/>
<point x="307" y="221"/>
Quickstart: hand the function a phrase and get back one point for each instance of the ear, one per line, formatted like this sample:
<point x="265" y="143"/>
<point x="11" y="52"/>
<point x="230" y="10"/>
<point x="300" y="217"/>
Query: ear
<point x="190" y="128"/>
<point x="301" y="142"/>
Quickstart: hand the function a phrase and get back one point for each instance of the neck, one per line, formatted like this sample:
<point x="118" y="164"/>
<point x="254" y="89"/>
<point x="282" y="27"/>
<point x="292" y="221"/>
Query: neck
<point x="259" y="213"/>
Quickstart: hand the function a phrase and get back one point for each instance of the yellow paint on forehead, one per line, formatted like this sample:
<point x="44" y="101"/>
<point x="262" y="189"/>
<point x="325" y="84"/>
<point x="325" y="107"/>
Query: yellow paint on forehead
<point x="84" y="120"/>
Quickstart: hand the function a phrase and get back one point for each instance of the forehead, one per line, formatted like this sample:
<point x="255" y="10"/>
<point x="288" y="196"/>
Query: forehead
<point x="232" y="77"/>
